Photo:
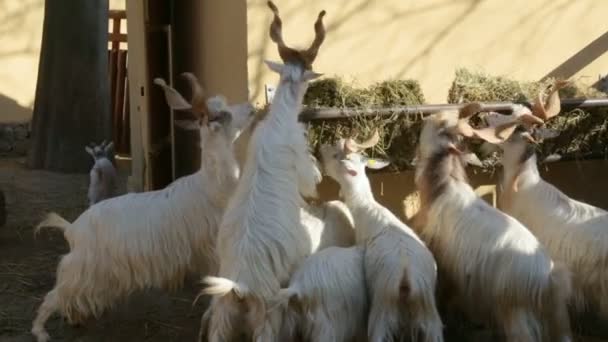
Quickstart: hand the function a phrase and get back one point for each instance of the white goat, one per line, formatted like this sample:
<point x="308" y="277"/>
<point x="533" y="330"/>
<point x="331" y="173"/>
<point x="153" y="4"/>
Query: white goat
<point x="103" y="174"/>
<point x="495" y="267"/>
<point x="328" y="224"/>
<point x="400" y="270"/>
<point x="574" y="232"/>
<point x="327" y="298"/>
<point x="261" y="240"/>
<point x="151" y="239"/>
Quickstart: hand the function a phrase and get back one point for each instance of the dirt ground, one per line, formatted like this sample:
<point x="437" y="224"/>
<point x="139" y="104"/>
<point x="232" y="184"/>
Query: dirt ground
<point x="28" y="265"/>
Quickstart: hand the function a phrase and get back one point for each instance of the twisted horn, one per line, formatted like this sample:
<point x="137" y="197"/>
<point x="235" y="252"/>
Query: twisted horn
<point x="198" y="97"/>
<point x="276" y="28"/>
<point x="546" y="109"/>
<point x="312" y="51"/>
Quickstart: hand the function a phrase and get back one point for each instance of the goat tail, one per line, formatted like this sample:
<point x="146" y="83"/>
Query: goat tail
<point x="217" y="286"/>
<point x="555" y="305"/>
<point x="55" y="221"/>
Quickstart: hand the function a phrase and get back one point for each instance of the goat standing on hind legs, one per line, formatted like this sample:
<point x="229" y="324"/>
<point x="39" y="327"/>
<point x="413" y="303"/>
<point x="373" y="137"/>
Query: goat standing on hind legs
<point x="261" y="240"/>
<point x="150" y="239"/>
<point x="499" y="270"/>
<point x="574" y="232"/>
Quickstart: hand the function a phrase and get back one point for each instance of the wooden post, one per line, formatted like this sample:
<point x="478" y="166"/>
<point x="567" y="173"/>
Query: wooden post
<point x="138" y="101"/>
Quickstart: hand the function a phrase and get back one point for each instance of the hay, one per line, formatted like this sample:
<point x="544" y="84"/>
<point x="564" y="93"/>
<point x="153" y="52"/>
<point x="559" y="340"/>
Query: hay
<point x="398" y="134"/>
<point x="583" y="133"/>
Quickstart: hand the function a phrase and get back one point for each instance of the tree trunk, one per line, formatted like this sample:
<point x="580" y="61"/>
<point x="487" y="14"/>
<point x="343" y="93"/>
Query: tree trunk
<point x="72" y="105"/>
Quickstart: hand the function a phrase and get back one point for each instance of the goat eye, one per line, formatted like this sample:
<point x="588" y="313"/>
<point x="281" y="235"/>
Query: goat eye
<point x="336" y="155"/>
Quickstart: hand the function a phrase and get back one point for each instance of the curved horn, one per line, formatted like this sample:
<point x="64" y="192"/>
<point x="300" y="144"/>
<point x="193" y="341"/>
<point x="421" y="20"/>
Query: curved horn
<point x="276" y="34"/>
<point x="469" y="110"/>
<point x="354" y="146"/>
<point x="546" y="109"/>
<point x="198" y="96"/>
<point x="312" y="51"/>
<point x="276" y="28"/>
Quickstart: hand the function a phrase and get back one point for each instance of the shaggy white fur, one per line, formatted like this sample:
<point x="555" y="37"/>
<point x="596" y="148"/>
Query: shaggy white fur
<point x="401" y="273"/>
<point x="102" y="182"/>
<point x="328" y="224"/>
<point x="574" y="232"/>
<point x="261" y="240"/>
<point x="327" y="298"/>
<point x="496" y="269"/>
<point x="150" y="239"/>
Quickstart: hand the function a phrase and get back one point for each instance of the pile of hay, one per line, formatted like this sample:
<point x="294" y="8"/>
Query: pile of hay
<point x="399" y="134"/>
<point x="584" y="133"/>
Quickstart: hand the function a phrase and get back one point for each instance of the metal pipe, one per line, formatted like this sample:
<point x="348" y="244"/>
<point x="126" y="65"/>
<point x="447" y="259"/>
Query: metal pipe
<point x="325" y="113"/>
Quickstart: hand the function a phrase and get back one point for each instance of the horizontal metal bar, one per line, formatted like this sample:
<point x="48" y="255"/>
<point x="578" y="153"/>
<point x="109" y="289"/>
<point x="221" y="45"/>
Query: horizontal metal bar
<point x="325" y="113"/>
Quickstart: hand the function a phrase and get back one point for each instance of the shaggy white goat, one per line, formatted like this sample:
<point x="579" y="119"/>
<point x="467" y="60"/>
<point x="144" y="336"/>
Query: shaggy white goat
<point x="103" y="174"/>
<point x="327" y="298"/>
<point x="151" y="239"/>
<point x="328" y="224"/>
<point x="574" y="232"/>
<point x="496" y="268"/>
<point x="261" y="240"/>
<point x="400" y="270"/>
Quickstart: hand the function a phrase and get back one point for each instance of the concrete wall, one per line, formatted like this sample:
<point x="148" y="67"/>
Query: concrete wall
<point x="427" y="40"/>
<point x="20" y="39"/>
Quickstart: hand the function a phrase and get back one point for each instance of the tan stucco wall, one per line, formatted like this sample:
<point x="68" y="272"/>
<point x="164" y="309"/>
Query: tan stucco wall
<point x="220" y="46"/>
<point x="20" y="39"/>
<point x="427" y="40"/>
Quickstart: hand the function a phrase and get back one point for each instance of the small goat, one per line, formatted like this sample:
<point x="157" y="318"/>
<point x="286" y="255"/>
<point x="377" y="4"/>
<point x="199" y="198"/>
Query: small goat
<point x="103" y="174"/>
<point x="261" y="240"/>
<point x="574" y="232"/>
<point x="400" y="270"/>
<point x="326" y="299"/>
<point x="151" y="239"/>
<point x="496" y="268"/>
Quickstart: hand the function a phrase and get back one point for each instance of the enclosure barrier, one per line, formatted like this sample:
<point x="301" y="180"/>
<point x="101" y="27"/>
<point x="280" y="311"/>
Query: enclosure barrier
<point x="117" y="72"/>
<point x="321" y="113"/>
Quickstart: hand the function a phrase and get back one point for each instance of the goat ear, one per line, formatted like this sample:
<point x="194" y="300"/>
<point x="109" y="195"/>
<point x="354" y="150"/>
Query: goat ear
<point x="552" y="158"/>
<point x="546" y="133"/>
<point x="89" y="151"/>
<point x="274" y="66"/>
<point x="174" y="99"/>
<point x="376" y="164"/>
<point x="190" y="125"/>
<point x="472" y="159"/>
<point x="109" y="148"/>
<point x="310" y="75"/>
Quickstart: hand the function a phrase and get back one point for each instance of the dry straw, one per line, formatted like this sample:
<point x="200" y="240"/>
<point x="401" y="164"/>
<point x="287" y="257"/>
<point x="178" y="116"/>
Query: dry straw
<point x="583" y="133"/>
